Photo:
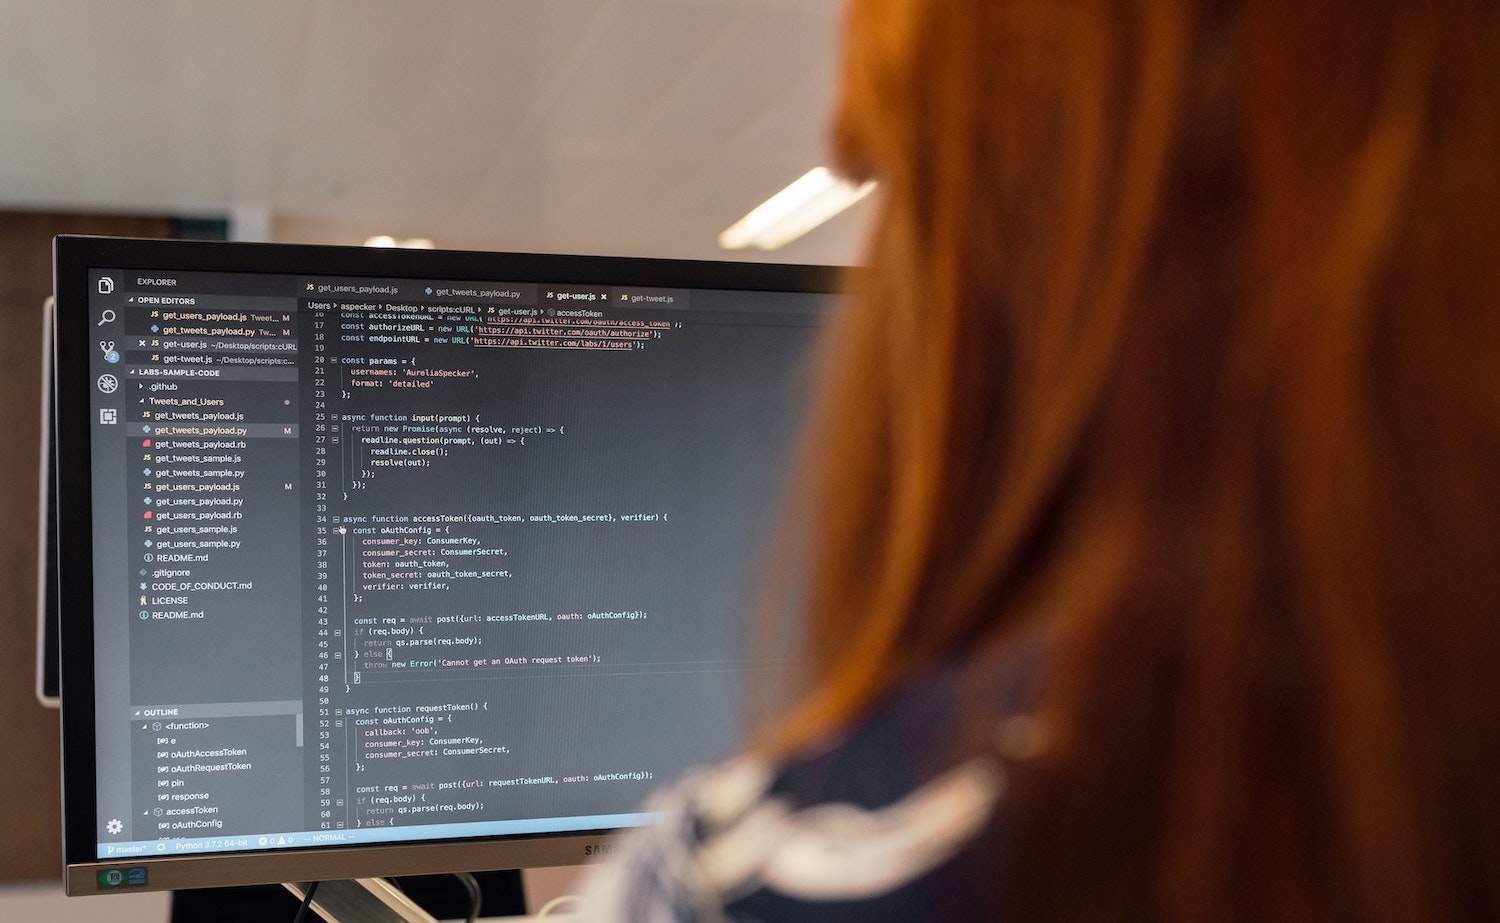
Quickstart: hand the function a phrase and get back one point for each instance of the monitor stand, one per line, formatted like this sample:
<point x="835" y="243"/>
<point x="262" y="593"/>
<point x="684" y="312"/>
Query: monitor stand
<point x="361" y="900"/>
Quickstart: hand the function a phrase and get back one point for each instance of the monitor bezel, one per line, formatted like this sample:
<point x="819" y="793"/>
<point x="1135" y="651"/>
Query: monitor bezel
<point x="73" y="256"/>
<point x="48" y="679"/>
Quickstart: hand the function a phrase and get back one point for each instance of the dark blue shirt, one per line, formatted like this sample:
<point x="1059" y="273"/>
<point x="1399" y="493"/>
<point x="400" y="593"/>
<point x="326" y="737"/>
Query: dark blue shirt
<point x="896" y="818"/>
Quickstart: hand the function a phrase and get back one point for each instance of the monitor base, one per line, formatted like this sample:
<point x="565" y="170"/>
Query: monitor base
<point x="361" y="900"/>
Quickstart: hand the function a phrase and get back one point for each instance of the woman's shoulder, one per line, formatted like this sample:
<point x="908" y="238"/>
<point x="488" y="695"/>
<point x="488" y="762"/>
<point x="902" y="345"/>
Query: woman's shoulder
<point x="860" y="824"/>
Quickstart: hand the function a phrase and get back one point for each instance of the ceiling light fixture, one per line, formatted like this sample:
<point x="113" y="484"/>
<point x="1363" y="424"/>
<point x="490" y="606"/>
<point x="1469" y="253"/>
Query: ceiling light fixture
<point x="813" y="199"/>
<point x="410" y="243"/>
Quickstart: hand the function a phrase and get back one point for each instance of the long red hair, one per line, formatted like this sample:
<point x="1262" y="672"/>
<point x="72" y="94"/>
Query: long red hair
<point x="1180" y="344"/>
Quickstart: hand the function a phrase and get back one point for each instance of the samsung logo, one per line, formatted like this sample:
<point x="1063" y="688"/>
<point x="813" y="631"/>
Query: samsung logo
<point x="601" y="849"/>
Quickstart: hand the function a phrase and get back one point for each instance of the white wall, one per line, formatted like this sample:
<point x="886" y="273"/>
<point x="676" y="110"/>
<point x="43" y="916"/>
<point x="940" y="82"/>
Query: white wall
<point x="45" y="901"/>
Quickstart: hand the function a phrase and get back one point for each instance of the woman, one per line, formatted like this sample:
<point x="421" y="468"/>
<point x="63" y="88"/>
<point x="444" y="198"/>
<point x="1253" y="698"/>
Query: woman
<point x="1152" y="570"/>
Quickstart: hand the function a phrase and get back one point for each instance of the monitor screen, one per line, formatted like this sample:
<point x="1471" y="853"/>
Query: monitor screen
<point x="383" y="562"/>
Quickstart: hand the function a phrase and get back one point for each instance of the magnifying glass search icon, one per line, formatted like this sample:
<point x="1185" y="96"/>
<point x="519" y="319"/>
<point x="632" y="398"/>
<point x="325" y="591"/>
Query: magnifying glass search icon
<point x="107" y="316"/>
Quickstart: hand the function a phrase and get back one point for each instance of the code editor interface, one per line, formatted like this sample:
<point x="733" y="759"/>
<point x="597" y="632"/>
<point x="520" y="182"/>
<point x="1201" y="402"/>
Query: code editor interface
<point x="385" y="559"/>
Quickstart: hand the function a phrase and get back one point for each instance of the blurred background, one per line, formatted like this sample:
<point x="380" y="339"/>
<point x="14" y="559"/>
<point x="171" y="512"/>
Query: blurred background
<point x="640" y="127"/>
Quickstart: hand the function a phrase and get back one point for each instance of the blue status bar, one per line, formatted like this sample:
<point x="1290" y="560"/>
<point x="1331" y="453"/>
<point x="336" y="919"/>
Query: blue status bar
<point x="302" y="839"/>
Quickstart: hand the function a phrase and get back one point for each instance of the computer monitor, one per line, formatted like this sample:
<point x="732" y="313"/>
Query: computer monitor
<point x="380" y="562"/>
